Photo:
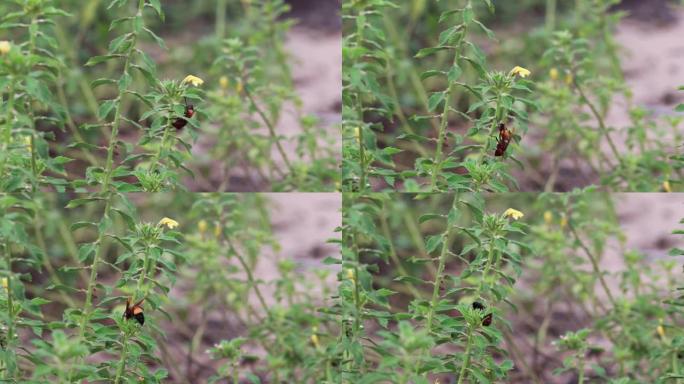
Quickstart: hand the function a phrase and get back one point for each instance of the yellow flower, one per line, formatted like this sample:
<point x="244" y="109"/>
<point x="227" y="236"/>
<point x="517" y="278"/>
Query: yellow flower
<point x="548" y="217"/>
<point x="217" y="230"/>
<point x="193" y="80"/>
<point x="5" y="47"/>
<point x="202" y="226"/>
<point x="314" y="338"/>
<point x="170" y="223"/>
<point x="660" y="329"/>
<point x="350" y="275"/>
<point x="520" y="71"/>
<point x="568" y="78"/>
<point x="27" y="143"/>
<point x="513" y="213"/>
<point x="666" y="186"/>
<point x="553" y="74"/>
<point x="4" y="282"/>
<point x="223" y="82"/>
<point x="357" y="133"/>
<point x="238" y="87"/>
<point x="564" y="221"/>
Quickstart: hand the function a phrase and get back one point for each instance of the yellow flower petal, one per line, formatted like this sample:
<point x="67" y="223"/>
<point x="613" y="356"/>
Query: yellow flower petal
<point x="223" y="82"/>
<point x="202" y="226"/>
<point x="4" y="282"/>
<point x="520" y="71"/>
<point x="661" y="331"/>
<point x="5" y="47"/>
<point x="350" y="274"/>
<point x="553" y="74"/>
<point x="548" y="217"/>
<point x="169" y="223"/>
<point x="666" y="186"/>
<point x="314" y="340"/>
<point x="513" y="213"/>
<point x="568" y="78"/>
<point x="357" y="133"/>
<point x="193" y="80"/>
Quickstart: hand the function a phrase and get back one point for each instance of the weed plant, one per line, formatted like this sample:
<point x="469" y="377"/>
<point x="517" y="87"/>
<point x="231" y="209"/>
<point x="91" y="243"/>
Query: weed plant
<point x="232" y="321"/>
<point x="95" y="113"/>
<point x="422" y="107"/>
<point x="441" y="288"/>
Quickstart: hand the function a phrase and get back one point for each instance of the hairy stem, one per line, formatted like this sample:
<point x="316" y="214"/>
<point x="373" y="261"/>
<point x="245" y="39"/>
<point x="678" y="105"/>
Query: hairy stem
<point x="122" y="360"/>
<point x="466" y="362"/>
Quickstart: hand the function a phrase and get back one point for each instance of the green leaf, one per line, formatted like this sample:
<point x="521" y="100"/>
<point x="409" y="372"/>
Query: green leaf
<point x="103" y="81"/>
<point x="454" y="73"/>
<point x="124" y="81"/>
<point x="156" y="38"/>
<point x="429" y="51"/>
<point x="435" y="100"/>
<point x="156" y="5"/>
<point x="429" y="216"/>
<point x="106" y="108"/>
<point x="82" y="224"/>
<point x="78" y="202"/>
<point x="432" y="73"/>
<point x="433" y="242"/>
<point x="99" y="59"/>
<point x="85" y="251"/>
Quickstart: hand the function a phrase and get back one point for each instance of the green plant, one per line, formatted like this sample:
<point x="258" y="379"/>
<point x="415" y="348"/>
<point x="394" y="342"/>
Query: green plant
<point x="426" y="119"/>
<point x="494" y="98"/>
<point x="69" y="122"/>
<point x="443" y="328"/>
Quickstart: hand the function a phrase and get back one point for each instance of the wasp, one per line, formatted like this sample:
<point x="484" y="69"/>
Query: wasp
<point x="180" y="122"/>
<point x="505" y="136"/>
<point x="135" y="311"/>
<point x="487" y="319"/>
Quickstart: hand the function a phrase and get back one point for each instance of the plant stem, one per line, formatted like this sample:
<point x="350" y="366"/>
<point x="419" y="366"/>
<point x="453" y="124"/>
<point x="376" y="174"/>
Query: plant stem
<point x="488" y="266"/>
<point x="599" y="119"/>
<point x="250" y="276"/>
<point x="384" y="225"/>
<point x="594" y="263"/>
<point x="271" y="128"/>
<point x="10" y="311"/>
<point x="550" y="15"/>
<point x="122" y="359"/>
<point x="143" y="276"/>
<point x="439" y="277"/>
<point x="362" y="159"/>
<point x="162" y="145"/>
<point x="580" y="368"/>
<point x="466" y="362"/>
<point x="444" y="120"/>
<point x="221" y="19"/>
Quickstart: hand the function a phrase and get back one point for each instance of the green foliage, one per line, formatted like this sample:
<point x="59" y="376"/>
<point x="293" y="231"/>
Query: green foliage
<point x="74" y="107"/>
<point x="422" y="106"/>
<point x="439" y="330"/>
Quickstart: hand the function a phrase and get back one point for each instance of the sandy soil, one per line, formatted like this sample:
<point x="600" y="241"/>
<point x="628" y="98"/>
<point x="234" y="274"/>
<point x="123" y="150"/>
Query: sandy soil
<point x="303" y="223"/>
<point x="317" y="71"/>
